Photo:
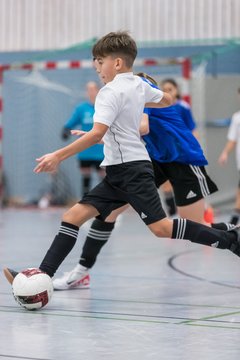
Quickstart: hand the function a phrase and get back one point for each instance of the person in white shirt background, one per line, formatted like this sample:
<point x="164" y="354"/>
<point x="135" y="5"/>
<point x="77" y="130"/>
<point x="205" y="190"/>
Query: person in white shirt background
<point x="232" y="143"/>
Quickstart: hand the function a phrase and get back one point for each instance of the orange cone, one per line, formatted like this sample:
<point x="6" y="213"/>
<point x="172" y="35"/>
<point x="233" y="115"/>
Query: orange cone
<point x="209" y="215"/>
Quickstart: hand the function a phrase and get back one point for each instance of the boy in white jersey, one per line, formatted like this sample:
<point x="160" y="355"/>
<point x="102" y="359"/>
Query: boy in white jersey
<point x="232" y="143"/>
<point x="129" y="173"/>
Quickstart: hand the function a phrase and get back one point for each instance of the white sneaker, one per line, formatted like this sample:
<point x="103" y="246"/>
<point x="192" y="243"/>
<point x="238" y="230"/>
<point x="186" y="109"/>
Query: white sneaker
<point x="78" y="278"/>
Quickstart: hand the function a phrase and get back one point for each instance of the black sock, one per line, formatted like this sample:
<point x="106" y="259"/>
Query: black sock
<point x="60" y="248"/>
<point x="235" y="217"/>
<point x="170" y="202"/>
<point x="97" y="237"/>
<point x="234" y="220"/>
<point x="223" y="226"/>
<point x="86" y="183"/>
<point x="201" y="234"/>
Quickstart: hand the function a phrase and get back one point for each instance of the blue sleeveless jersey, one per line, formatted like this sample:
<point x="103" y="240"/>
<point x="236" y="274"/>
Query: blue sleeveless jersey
<point x="169" y="138"/>
<point x="82" y="119"/>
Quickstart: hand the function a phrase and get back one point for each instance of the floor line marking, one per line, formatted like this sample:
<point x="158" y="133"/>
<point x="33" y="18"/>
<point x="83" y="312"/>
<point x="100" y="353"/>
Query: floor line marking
<point x="121" y="318"/>
<point x="141" y="302"/>
<point x="212" y="317"/>
<point x="214" y="326"/>
<point x="172" y="266"/>
<point x="21" y="357"/>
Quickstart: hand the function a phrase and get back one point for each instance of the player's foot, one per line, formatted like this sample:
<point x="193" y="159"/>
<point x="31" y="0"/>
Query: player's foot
<point x="235" y="247"/>
<point x="78" y="278"/>
<point x="10" y="274"/>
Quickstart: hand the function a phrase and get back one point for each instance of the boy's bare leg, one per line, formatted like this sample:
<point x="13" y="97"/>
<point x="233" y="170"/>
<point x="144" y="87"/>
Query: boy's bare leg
<point x="194" y="212"/>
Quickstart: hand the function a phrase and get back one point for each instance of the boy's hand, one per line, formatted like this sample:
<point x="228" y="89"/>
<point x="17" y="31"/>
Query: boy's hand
<point x="222" y="160"/>
<point x="47" y="163"/>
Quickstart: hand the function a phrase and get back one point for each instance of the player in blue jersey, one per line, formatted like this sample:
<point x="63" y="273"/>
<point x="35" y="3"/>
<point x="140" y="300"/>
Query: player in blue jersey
<point x="179" y="146"/>
<point x="176" y="156"/>
<point x="182" y="107"/>
<point x="82" y="118"/>
<point x="184" y="110"/>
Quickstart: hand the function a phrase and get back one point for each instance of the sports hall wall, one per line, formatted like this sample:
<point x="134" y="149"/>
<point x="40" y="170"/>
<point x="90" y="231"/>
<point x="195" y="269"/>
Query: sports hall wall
<point x="51" y="24"/>
<point x="38" y="103"/>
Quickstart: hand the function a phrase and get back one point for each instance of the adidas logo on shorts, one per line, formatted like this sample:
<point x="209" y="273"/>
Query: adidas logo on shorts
<point x="143" y="216"/>
<point x="190" y="195"/>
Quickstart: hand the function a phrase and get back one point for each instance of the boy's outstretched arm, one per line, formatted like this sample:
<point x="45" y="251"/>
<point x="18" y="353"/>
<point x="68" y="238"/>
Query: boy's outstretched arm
<point x="49" y="162"/>
<point x="164" y="102"/>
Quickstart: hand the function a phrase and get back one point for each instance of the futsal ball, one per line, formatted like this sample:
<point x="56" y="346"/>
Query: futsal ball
<point x="32" y="288"/>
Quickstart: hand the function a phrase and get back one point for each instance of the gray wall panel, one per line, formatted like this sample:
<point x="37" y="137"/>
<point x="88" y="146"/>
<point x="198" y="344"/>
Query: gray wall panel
<point x="51" y="24"/>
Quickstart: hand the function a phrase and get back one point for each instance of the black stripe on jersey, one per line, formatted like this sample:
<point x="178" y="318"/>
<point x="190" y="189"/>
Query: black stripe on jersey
<point x="114" y="136"/>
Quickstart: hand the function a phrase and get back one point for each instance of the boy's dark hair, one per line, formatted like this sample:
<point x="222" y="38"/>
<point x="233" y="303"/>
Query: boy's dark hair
<point x="116" y="44"/>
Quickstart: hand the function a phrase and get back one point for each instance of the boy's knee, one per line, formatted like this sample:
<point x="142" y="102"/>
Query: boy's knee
<point x="68" y="216"/>
<point x="162" y="228"/>
<point x="158" y="232"/>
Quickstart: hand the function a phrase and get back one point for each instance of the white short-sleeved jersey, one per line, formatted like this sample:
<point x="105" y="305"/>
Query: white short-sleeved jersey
<point x="234" y="135"/>
<point x="119" y="105"/>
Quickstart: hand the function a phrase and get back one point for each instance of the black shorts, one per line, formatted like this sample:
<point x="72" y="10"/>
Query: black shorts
<point x="190" y="183"/>
<point x="89" y="164"/>
<point x="128" y="183"/>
